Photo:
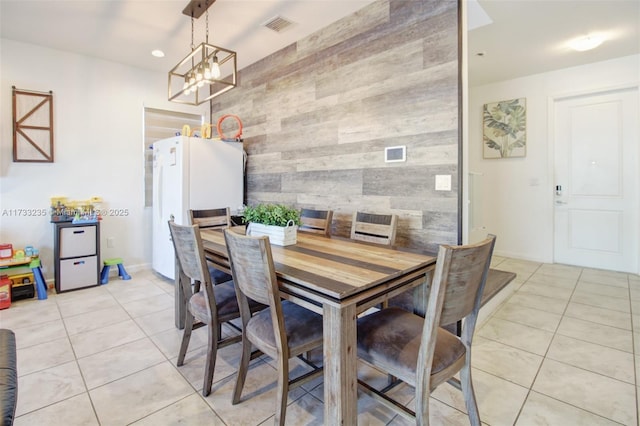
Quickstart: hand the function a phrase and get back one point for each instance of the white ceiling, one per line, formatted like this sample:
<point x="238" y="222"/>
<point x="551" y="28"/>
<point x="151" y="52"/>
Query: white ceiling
<point x="530" y="36"/>
<point x="525" y="37"/>
<point x="127" y="31"/>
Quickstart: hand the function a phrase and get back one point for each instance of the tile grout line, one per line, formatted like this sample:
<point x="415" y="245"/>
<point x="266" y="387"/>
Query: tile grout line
<point x="530" y="388"/>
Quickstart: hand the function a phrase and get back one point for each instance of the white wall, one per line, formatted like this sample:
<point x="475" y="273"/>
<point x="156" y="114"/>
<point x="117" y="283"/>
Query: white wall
<point x="98" y="139"/>
<point x="517" y="193"/>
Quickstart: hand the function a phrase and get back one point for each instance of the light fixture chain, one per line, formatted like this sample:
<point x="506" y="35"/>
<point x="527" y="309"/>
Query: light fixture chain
<point x="207" y="27"/>
<point x="193" y="46"/>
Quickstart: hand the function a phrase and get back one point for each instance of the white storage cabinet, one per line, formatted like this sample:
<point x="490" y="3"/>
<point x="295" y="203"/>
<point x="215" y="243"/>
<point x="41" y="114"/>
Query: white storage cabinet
<point x="76" y="255"/>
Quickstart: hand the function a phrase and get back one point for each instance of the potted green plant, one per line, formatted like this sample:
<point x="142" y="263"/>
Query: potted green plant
<point x="277" y="221"/>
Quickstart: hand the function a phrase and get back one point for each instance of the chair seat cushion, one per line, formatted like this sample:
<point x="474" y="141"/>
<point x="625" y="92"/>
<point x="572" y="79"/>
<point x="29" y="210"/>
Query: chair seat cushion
<point x="226" y="302"/>
<point x="390" y="339"/>
<point x="303" y="328"/>
<point x="218" y="276"/>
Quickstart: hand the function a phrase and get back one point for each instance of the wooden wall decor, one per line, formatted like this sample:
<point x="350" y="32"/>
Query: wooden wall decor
<point x="32" y="126"/>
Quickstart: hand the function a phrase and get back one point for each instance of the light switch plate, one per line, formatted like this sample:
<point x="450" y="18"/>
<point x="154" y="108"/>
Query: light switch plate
<point x="443" y="182"/>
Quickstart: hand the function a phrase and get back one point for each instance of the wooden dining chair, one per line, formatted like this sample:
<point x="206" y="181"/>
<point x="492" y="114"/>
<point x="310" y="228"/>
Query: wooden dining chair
<point x="374" y="228"/>
<point x="211" y="305"/>
<point x="417" y="350"/>
<point x="316" y="221"/>
<point x="283" y="331"/>
<point x="213" y="219"/>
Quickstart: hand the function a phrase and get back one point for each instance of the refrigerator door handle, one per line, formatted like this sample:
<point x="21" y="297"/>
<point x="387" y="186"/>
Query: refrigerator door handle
<point x="160" y="191"/>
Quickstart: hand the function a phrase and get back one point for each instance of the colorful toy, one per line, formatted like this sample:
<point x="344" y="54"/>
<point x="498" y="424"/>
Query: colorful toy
<point x="6" y="251"/>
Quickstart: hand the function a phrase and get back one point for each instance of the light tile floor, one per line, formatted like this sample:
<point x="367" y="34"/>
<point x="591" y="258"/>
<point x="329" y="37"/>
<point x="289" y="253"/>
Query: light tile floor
<point x="563" y="349"/>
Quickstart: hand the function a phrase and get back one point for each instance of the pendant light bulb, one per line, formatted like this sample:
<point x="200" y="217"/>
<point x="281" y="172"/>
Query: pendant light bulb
<point x="186" y="87"/>
<point x="207" y="71"/>
<point x="192" y="80"/>
<point x="215" y="68"/>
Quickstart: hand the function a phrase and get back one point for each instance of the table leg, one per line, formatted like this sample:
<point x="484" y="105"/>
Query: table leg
<point x="421" y="295"/>
<point x="340" y="365"/>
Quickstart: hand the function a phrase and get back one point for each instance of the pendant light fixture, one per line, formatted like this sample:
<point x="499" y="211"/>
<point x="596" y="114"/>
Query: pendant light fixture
<point x="208" y="71"/>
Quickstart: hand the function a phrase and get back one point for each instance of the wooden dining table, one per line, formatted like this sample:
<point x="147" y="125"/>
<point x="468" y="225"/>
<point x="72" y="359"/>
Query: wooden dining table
<point x="339" y="279"/>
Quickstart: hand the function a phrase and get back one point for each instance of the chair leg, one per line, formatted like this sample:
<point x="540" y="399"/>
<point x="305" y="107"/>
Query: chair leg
<point x="242" y="369"/>
<point x="186" y="336"/>
<point x="469" y="395"/>
<point x="423" y="395"/>
<point x="212" y="354"/>
<point x="283" y="391"/>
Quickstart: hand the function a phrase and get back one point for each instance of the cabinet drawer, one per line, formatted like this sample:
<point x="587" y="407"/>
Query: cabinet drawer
<point x="77" y="241"/>
<point x="77" y="273"/>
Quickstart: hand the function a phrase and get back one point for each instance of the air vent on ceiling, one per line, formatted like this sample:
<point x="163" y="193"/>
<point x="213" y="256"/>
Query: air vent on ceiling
<point x="278" y="24"/>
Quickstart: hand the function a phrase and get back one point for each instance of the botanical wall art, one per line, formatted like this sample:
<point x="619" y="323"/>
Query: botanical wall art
<point x="504" y="126"/>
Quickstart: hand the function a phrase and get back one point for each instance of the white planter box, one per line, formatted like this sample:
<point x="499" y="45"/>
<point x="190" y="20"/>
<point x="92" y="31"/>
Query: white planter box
<point x="278" y="235"/>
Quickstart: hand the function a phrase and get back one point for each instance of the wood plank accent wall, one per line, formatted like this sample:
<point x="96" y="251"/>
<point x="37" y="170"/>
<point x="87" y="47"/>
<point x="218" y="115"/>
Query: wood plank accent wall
<point x="318" y="114"/>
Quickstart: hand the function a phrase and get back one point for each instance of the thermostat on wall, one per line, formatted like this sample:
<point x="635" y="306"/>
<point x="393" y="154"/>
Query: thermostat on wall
<point x="394" y="154"/>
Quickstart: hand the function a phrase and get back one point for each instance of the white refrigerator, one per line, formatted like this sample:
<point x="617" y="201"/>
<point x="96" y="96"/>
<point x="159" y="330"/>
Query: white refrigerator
<point x="191" y="173"/>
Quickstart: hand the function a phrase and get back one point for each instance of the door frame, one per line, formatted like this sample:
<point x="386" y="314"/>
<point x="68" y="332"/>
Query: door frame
<point x="551" y="128"/>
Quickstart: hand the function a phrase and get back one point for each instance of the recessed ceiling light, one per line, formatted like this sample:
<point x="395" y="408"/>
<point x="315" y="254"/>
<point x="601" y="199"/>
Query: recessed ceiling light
<point x="587" y="42"/>
<point x="158" y="53"/>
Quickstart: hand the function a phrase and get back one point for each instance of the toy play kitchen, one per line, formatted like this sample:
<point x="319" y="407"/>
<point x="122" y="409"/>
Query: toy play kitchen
<point x="19" y="273"/>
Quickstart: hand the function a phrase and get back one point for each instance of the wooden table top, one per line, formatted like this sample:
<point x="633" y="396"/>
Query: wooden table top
<point x="334" y="267"/>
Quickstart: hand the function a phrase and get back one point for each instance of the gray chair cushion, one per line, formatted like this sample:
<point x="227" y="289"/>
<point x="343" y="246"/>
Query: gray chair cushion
<point x="391" y="338"/>
<point x="301" y="326"/>
<point x="404" y="301"/>
<point x="218" y="276"/>
<point x="226" y="301"/>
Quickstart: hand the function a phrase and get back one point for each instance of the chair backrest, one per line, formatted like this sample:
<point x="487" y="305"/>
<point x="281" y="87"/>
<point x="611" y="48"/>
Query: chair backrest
<point x="252" y="266"/>
<point x="190" y="255"/>
<point x="211" y="218"/>
<point x="317" y="221"/>
<point x="465" y="270"/>
<point x="374" y="228"/>
<point x="253" y="272"/>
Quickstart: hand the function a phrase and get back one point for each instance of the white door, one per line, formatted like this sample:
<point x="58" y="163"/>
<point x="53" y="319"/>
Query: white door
<point x="596" y="178"/>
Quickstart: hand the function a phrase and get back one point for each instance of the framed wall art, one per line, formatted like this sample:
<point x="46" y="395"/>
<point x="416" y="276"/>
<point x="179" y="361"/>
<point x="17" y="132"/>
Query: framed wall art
<point x="32" y="126"/>
<point x="504" y="128"/>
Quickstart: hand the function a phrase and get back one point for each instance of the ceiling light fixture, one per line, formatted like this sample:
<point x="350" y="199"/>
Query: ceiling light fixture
<point x="197" y="78"/>
<point x="587" y="42"/>
<point x="157" y="53"/>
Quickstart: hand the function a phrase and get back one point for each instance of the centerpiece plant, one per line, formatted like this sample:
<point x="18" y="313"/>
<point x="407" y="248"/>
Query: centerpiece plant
<point x="271" y="214"/>
<point x="277" y="221"/>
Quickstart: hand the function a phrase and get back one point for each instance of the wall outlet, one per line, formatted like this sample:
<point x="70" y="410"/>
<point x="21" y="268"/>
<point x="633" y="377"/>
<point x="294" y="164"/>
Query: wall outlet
<point x="443" y="182"/>
<point x="111" y="242"/>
